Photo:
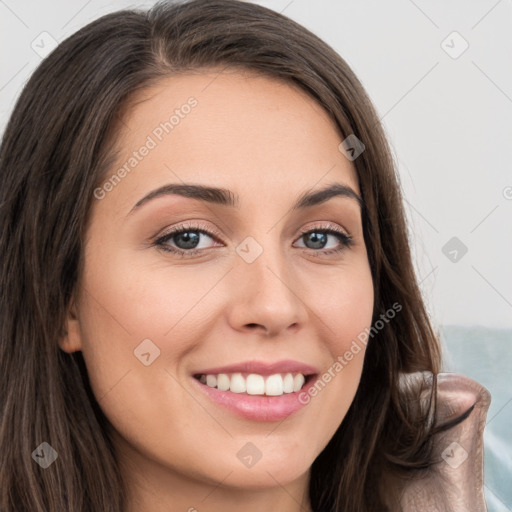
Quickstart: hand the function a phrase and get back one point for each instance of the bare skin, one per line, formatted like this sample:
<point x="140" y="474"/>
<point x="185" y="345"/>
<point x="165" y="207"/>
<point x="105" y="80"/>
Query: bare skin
<point x="267" y="142"/>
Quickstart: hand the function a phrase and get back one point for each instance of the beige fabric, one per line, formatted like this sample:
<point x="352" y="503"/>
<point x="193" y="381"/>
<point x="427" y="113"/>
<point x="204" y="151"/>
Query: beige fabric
<point x="455" y="484"/>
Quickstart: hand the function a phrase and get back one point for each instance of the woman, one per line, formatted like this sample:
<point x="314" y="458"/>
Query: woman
<point x="208" y="299"/>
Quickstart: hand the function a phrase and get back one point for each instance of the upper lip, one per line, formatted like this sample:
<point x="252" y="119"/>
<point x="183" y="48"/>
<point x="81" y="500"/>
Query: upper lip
<point x="262" y="368"/>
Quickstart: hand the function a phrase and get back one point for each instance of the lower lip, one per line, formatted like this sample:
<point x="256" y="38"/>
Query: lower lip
<point x="258" y="407"/>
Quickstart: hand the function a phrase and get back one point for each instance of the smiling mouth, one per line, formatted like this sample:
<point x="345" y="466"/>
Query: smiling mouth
<point x="276" y="384"/>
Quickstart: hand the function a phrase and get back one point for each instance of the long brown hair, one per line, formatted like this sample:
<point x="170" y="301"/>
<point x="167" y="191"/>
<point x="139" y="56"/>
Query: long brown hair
<point x="56" y="149"/>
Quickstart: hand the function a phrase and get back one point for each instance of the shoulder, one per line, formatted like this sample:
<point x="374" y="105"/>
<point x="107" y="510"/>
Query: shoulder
<point x="455" y="481"/>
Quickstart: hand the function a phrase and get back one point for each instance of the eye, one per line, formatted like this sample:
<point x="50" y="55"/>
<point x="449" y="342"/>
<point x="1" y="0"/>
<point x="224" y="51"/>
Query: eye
<point x="187" y="239"/>
<point x="318" y="238"/>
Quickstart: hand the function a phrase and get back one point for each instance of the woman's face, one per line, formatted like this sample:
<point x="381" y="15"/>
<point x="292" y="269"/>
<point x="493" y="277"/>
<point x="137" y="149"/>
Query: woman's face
<point x="245" y="285"/>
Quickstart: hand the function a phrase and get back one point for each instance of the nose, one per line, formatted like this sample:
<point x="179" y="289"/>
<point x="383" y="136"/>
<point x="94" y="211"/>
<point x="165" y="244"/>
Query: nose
<point x="267" y="296"/>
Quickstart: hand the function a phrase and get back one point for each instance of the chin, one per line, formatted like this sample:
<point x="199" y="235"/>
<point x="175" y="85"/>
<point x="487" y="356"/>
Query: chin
<point x="263" y="475"/>
<point x="251" y="468"/>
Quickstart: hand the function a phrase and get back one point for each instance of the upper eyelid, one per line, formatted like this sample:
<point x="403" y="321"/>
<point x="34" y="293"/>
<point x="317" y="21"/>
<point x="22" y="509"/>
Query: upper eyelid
<point x="192" y="227"/>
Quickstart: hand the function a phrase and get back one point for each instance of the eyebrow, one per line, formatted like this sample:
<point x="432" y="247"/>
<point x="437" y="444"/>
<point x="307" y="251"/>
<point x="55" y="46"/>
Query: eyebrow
<point x="225" y="197"/>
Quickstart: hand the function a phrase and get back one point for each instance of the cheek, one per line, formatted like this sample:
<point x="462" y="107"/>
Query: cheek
<point x="347" y="307"/>
<point x="354" y="314"/>
<point x="124" y="304"/>
<point x="353" y="317"/>
<point x="347" y="311"/>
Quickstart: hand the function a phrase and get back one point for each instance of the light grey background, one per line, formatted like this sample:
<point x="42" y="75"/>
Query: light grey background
<point x="448" y="116"/>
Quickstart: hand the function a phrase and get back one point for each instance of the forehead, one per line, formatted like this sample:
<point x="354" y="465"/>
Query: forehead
<point x="236" y="129"/>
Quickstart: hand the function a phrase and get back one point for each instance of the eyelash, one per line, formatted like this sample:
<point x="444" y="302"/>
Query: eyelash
<point x="345" y="239"/>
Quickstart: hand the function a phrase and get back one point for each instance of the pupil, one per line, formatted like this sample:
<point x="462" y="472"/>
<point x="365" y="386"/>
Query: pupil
<point x="190" y="241"/>
<point x="318" y="239"/>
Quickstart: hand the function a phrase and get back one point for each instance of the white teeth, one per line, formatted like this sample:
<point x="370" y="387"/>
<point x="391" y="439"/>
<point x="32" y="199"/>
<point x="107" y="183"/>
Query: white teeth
<point x="211" y="380"/>
<point x="298" y="382"/>
<point x="254" y="384"/>
<point x="288" y="383"/>
<point x="223" y="382"/>
<point x="274" y="385"/>
<point x="238" y="384"/>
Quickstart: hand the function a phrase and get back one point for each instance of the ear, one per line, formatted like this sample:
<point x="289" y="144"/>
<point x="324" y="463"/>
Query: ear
<point x="71" y="338"/>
